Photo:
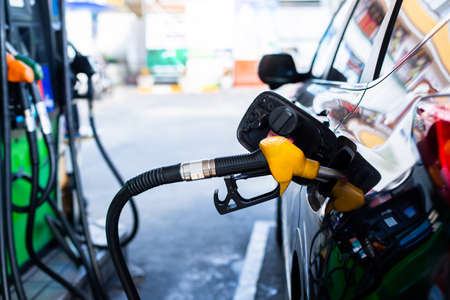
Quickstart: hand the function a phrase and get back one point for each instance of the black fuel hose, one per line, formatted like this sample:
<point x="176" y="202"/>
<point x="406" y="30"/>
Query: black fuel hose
<point x="34" y="199"/>
<point x="4" y="174"/>
<point x="34" y="155"/>
<point x="46" y="129"/>
<point x="97" y="286"/>
<point x="3" y="259"/>
<point x="35" y="203"/>
<point x="72" y="235"/>
<point x="7" y="243"/>
<point x="54" y="224"/>
<point x="58" y="231"/>
<point x="20" y="291"/>
<point x="65" y="228"/>
<point x="176" y="173"/>
<point x="48" y="139"/>
<point x="135" y="214"/>
<point x="83" y="66"/>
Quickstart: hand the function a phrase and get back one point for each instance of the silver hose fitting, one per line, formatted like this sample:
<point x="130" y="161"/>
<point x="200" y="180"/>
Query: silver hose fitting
<point x="46" y="124"/>
<point x="197" y="170"/>
<point x="30" y="122"/>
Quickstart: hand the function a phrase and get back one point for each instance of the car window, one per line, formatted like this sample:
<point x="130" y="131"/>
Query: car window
<point x="386" y="107"/>
<point x="354" y="50"/>
<point x="429" y="67"/>
<point x="330" y="39"/>
<point x="426" y="72"/>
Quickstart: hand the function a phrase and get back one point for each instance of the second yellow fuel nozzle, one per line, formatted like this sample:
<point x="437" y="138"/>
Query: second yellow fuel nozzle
<point x="285" y="161"/>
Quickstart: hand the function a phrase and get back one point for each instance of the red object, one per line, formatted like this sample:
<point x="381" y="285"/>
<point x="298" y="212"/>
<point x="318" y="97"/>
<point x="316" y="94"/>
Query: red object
<point x="432" y="133"/>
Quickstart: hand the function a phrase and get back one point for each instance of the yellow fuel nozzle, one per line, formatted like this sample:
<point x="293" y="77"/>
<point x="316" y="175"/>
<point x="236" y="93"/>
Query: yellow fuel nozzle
<point x="286" y="160"/>
<point x="345" y="197"/>
<point x="18" y="71"/>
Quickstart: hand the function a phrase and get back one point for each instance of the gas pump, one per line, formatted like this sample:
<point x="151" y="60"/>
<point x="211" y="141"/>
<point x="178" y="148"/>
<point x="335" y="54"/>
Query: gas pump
<point x="36" y="109"/>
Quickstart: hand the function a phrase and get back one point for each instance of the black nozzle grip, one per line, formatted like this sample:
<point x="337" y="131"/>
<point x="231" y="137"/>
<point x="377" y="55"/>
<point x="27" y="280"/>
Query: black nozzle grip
<point x="236" y="164"/>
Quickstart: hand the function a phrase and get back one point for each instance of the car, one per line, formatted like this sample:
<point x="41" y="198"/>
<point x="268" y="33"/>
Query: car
<point x="379" y="78"/>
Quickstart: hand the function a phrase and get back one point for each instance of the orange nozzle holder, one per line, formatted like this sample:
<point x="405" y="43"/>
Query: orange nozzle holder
<point x="345" y="197"/>
<point x="286" y="160"/>
<point x="18" y="71"/>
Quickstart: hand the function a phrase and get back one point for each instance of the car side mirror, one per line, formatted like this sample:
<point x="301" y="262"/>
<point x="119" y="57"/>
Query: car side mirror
<point x="278" y="69"/>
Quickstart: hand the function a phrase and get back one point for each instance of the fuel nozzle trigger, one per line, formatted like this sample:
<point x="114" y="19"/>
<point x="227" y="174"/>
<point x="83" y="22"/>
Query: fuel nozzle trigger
<point x="234" y="201"/>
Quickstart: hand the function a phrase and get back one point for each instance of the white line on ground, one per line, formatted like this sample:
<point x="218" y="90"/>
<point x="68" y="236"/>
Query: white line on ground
<point x="254" y="257"/>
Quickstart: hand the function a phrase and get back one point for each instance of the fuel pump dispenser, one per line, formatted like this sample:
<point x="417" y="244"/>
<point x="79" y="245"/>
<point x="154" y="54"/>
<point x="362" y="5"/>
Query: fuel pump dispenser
<point x="261" y="131"/>
<point x="22" y="74"/>
<point x="36" y="97"/>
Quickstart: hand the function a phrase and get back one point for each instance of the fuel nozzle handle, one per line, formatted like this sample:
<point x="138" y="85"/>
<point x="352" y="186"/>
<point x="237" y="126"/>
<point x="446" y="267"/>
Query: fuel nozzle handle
<point x="18" y="71"/>
<point x="277" y="155"/>
<point x="236" y="164"/>
<point x="23" y="70"/>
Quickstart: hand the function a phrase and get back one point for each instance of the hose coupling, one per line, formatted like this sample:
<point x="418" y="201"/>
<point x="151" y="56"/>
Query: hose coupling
<point x="197" y="170"/>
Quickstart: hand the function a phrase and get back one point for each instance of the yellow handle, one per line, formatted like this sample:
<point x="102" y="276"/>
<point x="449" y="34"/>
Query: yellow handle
<point x="285" y="160"/>
<point x="346" y="197"/>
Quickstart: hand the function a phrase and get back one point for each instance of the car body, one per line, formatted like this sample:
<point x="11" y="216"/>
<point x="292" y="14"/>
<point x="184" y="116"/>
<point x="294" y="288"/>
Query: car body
<point x="377" y="61"/>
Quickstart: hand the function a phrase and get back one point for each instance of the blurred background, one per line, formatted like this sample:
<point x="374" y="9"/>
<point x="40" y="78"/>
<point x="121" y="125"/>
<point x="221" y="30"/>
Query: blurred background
<point x="193" y="45"/>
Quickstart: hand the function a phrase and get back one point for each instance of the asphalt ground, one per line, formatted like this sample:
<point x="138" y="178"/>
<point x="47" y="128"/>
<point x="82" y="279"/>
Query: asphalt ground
<point x="184" y="247"/>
